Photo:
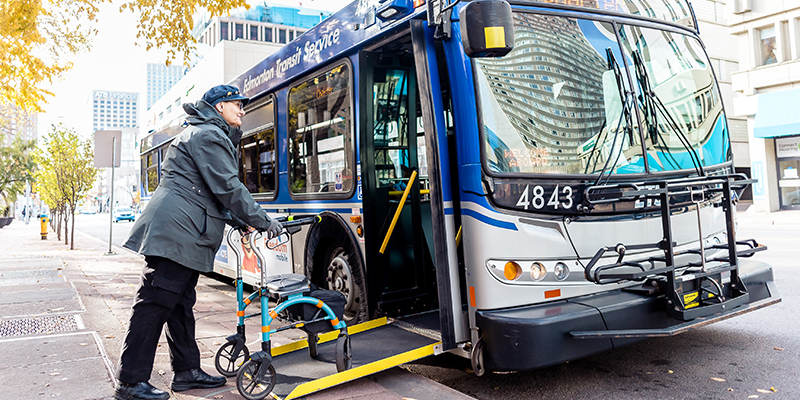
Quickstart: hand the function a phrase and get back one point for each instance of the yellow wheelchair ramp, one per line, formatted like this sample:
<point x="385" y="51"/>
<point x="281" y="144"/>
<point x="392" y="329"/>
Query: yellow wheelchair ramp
<point x="376" y="346"/>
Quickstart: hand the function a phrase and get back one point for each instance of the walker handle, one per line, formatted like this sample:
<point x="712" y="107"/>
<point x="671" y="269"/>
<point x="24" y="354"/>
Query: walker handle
<point x="291" y="225"/>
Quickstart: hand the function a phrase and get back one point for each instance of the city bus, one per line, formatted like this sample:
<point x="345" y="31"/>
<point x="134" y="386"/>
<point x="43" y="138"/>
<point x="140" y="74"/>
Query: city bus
<point x="529" y="182"/>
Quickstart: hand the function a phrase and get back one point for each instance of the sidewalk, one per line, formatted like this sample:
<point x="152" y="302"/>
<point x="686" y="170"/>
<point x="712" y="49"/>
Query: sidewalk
<point x="782" y="217"/>
<point x="70" y="310"/>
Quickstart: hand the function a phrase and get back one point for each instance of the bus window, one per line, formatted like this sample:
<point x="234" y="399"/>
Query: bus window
<point x="320" y="134"/>
<point x="390" y="130"/>
<point x="152" y="172"/>
<point x="258" y="166"/>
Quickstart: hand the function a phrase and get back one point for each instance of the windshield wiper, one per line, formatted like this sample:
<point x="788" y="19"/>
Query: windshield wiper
<point x="624" y="96"/>
<point x="654" y="106"/>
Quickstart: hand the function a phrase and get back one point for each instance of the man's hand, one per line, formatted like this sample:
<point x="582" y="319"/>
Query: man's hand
<point x="274" y="230"/>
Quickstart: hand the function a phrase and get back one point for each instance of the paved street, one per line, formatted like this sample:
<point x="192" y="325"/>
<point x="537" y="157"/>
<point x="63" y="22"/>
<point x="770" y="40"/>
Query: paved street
<point x="75" y="305"/>
<point x="97" y="225"/>
<point x="64" y="315"/>
<point x="733" y="359"/>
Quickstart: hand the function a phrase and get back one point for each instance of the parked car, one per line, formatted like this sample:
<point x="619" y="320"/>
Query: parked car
<point x="123" y="213"/>
<point x="89" y="210"/>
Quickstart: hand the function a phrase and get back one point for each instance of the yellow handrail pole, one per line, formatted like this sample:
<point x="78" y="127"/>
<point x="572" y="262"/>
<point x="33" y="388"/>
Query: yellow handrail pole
<point x="399" y="192"/>
<point x="458" y="237"/>
<point x="399" y="210"/>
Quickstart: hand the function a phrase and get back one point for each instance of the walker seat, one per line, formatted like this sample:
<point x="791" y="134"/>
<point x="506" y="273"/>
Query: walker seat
<point x="285" y="285"/>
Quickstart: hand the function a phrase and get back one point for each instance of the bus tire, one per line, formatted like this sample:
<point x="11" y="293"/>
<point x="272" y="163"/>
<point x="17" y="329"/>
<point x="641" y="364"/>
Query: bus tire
<point x="333" y="261"/>
<point x="476" y="358"/>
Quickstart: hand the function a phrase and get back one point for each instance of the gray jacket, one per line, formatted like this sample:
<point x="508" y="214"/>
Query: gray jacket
<point x="199" y="193"/>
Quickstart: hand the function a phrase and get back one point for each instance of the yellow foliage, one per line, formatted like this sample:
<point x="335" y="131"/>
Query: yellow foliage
<point x="38" y="38"/>
<point x="169" y="24"/>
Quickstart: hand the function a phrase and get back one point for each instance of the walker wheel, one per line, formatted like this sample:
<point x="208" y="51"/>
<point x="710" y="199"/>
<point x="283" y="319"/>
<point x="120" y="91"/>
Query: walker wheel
<point x="312" y="339"/>
<point x="344" y="354"/>
<point x="252" y="387"/>
<point x="226" y="363"/>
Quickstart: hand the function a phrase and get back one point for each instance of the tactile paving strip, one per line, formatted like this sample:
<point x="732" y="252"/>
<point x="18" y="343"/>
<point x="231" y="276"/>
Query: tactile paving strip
<point x="38" y="325"/>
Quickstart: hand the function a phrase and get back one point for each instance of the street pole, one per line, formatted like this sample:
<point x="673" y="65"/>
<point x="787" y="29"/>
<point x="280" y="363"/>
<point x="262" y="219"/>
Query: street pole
<point x="111" y="201"/>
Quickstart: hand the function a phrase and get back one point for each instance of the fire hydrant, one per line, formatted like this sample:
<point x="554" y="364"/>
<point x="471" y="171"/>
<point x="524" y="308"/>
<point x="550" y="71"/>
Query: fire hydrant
<point x="44" y="220"/>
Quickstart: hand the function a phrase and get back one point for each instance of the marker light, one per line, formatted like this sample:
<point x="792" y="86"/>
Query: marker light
<point x="394" y="9"/>
<point x="561" y="271"/>
<point x="512" y="271"/>
<point x="538" y="271"/>
<point x="388" y="13"/>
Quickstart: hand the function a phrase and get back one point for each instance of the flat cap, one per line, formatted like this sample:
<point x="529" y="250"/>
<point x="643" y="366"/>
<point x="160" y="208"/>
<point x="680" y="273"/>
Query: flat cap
<point x="224" y="93"/>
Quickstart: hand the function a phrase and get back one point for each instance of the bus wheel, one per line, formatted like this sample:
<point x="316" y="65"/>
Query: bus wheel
<point x="476" y="357"/>
<point x="339" y="277"/>
<point x="333" y="261"/>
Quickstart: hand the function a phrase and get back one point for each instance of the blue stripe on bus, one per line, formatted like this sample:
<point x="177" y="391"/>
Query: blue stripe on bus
<point x="485" y="219"/>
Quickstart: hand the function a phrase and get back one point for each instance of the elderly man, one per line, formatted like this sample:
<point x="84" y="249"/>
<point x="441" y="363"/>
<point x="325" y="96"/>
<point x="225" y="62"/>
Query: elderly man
<point x="179" y="233"/>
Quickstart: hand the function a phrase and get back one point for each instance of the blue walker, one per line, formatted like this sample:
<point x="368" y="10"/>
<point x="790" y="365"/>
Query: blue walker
<point x="255" y="374"/>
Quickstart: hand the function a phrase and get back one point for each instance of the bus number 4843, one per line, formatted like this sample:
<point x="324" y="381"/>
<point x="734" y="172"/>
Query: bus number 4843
<point x="537" y="198"/>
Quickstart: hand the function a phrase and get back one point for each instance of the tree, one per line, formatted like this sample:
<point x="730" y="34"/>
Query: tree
<point x="38" y="38"/>
<point x="49" y="191"/>
<point x="70" y="160"/>
<point x="17" y="165"/>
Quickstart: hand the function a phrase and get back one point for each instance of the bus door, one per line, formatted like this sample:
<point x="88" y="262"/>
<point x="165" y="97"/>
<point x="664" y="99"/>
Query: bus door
<point x="435" y="116"/>
<point x="401" y="279"/>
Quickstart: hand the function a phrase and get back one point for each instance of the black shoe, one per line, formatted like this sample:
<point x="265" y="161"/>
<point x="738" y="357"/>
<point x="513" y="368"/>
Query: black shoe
<point x="139" y="391"/>
<point x="195" y="379"/>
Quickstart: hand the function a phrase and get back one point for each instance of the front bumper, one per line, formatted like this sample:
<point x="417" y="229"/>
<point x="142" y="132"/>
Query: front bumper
<point x="537" y="336"/>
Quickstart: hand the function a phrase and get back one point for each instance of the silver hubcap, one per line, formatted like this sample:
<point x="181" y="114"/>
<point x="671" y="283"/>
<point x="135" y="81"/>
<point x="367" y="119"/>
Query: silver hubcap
<point x="339" y="278"/>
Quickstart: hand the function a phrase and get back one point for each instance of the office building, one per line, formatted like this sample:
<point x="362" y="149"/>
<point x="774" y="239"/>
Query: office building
<point x="766" y="38"/>
<point x="269" y="24"/>
<point x="160" y="79"/>
<point x="113" y="110"/>
<point x="16" y="122"/>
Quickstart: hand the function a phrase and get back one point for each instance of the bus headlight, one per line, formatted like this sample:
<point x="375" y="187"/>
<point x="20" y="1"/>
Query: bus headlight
<point x="538" y="271"/>
<point x="561" y="271"/>
<point x="512" y="271"/>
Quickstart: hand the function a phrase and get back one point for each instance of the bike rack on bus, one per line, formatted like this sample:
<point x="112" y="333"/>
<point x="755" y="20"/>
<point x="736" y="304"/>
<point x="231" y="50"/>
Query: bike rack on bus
<point x="691" y="292"/>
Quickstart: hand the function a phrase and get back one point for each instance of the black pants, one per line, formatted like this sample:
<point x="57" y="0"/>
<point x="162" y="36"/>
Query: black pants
<point x="166" y="294"/>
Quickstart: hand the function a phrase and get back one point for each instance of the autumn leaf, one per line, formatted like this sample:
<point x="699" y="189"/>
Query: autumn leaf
<point x="109" y="336"/>
<point x="763" y="391"/>
<point x="38" y="38"/>
<point x="717" y="379"/>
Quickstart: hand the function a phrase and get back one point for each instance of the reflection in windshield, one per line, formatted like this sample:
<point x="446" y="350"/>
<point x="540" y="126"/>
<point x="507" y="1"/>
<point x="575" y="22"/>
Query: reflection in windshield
<point x="555" y="105"/>
<point x="552" y="105"/>
<point x="681" y="102"/>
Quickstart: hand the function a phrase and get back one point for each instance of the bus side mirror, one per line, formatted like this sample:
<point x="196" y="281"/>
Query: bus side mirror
<point x="487" y="28"/>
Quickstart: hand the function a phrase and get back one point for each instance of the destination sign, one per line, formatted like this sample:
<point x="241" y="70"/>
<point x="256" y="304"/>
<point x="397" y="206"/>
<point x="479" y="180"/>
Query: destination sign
<point x="676" y="11"/>
<point x="306" y="51"/>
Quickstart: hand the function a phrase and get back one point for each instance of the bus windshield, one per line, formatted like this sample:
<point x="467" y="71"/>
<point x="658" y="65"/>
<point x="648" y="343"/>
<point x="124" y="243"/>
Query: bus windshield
<point x="562" y="103"/>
